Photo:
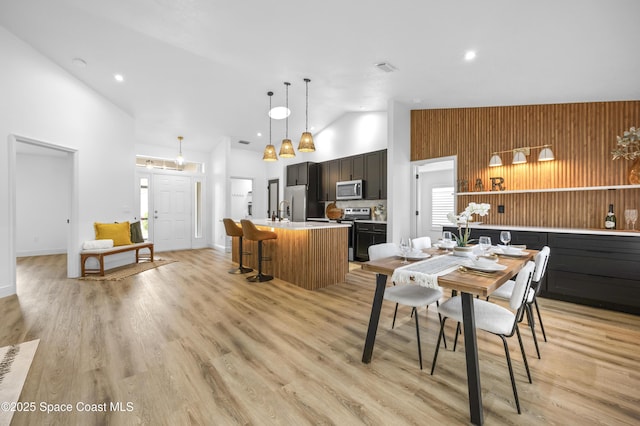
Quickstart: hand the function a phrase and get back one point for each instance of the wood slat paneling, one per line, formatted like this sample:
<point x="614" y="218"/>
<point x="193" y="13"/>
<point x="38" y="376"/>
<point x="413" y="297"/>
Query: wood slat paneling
<point x="311" y="259"/>
<point x="582" y="136"/>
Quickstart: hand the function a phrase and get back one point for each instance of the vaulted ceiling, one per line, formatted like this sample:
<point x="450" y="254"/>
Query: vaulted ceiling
<point x="202" y="68"/>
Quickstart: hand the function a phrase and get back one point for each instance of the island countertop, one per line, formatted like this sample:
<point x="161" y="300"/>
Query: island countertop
<point x="298" y="226"/>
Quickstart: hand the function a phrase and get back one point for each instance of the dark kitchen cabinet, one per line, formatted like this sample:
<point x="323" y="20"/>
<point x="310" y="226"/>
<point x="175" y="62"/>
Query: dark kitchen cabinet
<point x="375" y="175"/>
<point x="298" y="174"/>
<point x="368" y="234"/>
<point x="352" y="168"/>
<point x="596" y="270"/>
<point x="590" y="269"/>
<point x="329" y="175"/>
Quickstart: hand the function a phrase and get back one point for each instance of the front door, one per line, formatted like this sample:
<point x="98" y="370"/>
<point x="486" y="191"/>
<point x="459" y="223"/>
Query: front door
<point x="171" y="212"/>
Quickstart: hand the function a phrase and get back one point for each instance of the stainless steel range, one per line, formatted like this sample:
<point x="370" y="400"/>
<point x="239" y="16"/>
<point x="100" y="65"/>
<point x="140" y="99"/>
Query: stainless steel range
<point x="351" y="214"/>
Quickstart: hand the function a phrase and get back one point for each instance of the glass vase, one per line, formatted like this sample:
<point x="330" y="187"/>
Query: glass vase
<point x="634" y="172"/>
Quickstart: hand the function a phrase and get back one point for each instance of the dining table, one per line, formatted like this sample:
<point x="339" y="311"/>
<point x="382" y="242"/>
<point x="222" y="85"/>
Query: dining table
<point x="469" y="285"/>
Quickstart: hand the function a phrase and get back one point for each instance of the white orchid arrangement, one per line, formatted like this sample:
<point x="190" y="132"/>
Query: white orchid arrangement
<point x="463" y="220"/>
<point x="628" y="145"/>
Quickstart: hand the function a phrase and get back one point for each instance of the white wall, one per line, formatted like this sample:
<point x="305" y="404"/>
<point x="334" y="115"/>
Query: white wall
<point x="42" y="102"/>
<point x="218" y="188"/>
<point x="351" y="134"/>
<point x="399" y="213"/>
<point x="43" y="203"/>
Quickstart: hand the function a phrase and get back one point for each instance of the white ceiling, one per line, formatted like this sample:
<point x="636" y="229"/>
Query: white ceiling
<point x="202" y="68"/>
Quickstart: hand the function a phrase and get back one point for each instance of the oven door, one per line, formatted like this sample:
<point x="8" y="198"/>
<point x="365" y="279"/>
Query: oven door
<point x="351" y="231"/>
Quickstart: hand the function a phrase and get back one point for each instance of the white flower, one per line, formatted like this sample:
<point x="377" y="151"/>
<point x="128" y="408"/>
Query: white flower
<point x="464" y="218"/>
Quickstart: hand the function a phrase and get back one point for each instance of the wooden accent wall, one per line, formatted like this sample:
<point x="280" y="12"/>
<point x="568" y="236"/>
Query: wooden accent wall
<point x="582" y="136"/>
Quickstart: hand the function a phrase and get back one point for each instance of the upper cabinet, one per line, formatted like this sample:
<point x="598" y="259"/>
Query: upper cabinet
<point x="352" y="168"/>
<point x="375" y="175"/>
<point x="370" y="167"/>
<point x="329" y="175"/>
<point x="298" y="174"/>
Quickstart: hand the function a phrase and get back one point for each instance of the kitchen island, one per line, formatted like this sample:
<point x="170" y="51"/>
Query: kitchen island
<point x="310" y="255"/>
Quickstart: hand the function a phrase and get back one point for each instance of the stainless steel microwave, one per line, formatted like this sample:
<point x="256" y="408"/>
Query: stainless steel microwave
<point x="349" y="190"/>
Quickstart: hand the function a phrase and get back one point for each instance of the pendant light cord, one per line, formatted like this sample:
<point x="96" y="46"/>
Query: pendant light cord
<point x="270" y="95"/>
<point x="306" y="108"/>
<point x="286" y="132"/>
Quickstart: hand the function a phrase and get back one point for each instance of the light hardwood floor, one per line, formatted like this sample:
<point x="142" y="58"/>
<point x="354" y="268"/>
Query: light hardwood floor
<point x="187" y="343"/>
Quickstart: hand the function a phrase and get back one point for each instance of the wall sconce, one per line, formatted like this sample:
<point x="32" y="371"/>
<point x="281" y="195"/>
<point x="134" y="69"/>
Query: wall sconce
<point x="520" y="155"/>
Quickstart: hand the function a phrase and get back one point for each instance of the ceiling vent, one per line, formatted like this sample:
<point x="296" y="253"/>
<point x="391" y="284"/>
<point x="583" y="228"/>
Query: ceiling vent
<point x="385" y="67"/>
<point x="244" y="142"/>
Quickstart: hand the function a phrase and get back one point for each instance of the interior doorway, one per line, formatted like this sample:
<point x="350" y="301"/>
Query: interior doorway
<point x="273" y="195"/>
<point x="241" y="198"/>
<point x="66" y="165"/>
<point x="434" y="195"/>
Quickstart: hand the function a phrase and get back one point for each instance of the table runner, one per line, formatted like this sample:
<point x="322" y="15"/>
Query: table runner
<point x="426" y="272"/>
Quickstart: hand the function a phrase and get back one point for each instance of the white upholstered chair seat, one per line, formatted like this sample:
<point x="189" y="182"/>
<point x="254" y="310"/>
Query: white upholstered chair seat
<point x="412" y="295"/>
<point x="489" y="316"/>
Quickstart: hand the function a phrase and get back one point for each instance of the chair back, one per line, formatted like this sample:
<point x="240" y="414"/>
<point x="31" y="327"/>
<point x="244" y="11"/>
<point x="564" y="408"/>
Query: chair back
<point x="249" y="229"/>
<point x="378" y="251"/>
<point x="421" y="243"/>
<point x="541" y="260"/>
<point x="521" y="287"/>
<point x="231" y="228"/>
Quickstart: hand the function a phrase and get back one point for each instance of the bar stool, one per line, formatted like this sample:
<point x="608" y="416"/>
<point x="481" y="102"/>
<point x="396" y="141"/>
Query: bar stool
<point x="254" y="234"/>
<point x="234" y="230"/>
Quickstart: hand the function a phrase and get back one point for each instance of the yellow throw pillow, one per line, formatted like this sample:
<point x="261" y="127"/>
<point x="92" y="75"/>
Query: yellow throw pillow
<point x="120" y="233"/>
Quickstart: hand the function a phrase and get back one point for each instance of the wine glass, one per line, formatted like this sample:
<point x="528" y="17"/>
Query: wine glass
<point x="447" y="237"/>
<point x="405" y="246"/>
<point x="633" y="215"/>
<point x="627" y="218"/>
<point x="485" y="244"/>
<point x="505" y="237"/>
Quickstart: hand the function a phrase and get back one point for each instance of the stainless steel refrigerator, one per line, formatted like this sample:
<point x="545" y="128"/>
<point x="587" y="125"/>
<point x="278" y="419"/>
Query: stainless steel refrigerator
<point x="300" y="204"/>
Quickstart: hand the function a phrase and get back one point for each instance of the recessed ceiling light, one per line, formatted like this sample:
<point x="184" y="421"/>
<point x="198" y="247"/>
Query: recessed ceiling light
<point x="119" y="78"/>
<point x="278" y="113"/>
<point x="259" y="134"/>
<point x="470" y="55"/>
<point x="79" y="62"/>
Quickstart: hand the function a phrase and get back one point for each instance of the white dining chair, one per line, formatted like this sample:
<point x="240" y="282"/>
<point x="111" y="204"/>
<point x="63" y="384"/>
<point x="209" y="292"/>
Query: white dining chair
<point x="406" y="294"/>
<point x="505" y="291"/>
<point x="495" y="319"/>
<point x="421" y="243"/>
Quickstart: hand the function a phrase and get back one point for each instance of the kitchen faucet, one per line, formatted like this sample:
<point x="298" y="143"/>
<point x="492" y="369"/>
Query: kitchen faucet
<point x="281" y="210"/>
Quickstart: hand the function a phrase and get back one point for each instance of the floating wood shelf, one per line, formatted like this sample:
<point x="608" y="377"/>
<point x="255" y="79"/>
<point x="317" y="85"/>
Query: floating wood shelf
<point x="523" y="191"/>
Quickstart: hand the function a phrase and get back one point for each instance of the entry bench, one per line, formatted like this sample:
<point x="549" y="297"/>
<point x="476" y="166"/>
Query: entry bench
<point x="100" y="254"/>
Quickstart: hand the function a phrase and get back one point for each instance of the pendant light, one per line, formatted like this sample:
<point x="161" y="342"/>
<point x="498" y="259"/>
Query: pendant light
<point x="180" y="158"/>
<point x="269" y="150"/>
<point x="306" y="140"/>
<point x="286" y="149"/>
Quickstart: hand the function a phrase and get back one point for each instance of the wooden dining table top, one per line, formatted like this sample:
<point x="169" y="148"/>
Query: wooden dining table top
<point x="468" y="282"/>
